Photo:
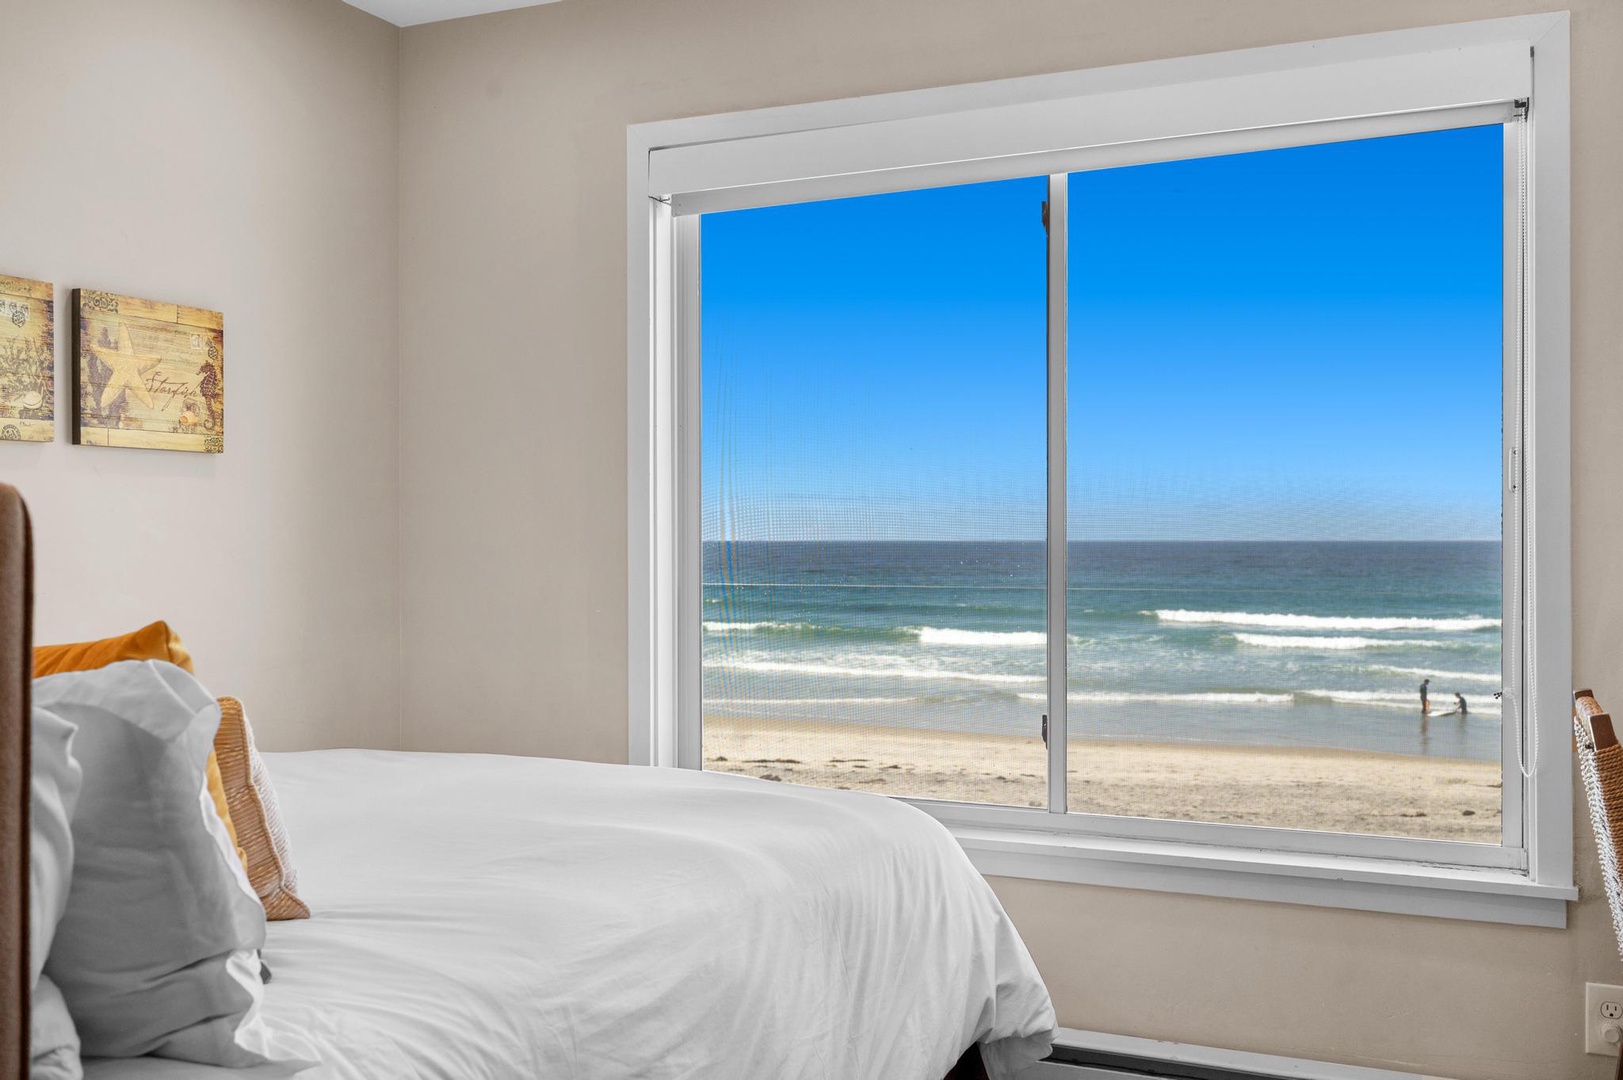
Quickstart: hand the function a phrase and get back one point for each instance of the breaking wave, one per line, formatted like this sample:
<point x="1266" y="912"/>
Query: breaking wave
<point x="1324" y="622"/>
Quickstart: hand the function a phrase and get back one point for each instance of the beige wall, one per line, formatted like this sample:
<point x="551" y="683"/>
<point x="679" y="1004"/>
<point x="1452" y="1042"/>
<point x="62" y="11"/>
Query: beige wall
<point x="239" y="155"/>
<point x="513" y="551"/>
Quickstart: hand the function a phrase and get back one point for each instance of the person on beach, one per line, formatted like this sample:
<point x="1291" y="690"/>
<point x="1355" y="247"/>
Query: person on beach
<point x="1425" y="699"/>
<point x="1459" y="704"/>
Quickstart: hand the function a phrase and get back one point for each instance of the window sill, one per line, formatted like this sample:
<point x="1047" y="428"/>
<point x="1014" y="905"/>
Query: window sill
<point x="1406" y="888"/>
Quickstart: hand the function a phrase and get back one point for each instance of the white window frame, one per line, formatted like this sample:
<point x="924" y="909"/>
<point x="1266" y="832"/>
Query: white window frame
<point x="1345" y="88"/>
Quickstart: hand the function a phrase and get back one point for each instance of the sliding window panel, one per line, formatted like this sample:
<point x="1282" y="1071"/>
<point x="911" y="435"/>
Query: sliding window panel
<point x="1286" y="414"/>
<point x="873" y="392"/>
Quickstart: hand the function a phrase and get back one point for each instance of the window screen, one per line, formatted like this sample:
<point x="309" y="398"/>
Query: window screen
<point x="874" y="461"/>
<point x="1283" y="440"/>
<point x="1284" y="445"/>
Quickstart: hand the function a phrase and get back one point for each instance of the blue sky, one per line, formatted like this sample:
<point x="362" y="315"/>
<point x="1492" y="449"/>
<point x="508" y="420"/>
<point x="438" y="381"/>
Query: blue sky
<point x="1294" y="344"/>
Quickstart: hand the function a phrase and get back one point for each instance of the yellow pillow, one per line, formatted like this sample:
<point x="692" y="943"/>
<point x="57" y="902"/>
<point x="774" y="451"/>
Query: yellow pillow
<point x="152" y="642"/>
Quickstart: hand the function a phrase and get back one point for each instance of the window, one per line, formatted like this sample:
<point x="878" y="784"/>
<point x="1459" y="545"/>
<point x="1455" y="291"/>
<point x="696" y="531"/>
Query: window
<point x="1162" y="482"/>
<point x="1286" y="390"/>
<point x="873" y="479"/>
<point x="1284" y="433"/>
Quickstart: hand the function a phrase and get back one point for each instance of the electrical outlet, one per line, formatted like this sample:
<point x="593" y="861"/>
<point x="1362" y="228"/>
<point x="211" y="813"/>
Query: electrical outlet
<point x="1603" y="1017"/>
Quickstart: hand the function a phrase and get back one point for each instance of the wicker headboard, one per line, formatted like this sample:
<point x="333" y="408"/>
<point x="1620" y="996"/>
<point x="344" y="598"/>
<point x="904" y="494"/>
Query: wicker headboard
<point x="16" y="674"/>
<point x="1600" y="763"/>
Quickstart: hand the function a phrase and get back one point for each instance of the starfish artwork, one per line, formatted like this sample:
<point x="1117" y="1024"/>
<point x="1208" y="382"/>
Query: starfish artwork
<point x="128" y="367"/>
<point x="149" y="375"/>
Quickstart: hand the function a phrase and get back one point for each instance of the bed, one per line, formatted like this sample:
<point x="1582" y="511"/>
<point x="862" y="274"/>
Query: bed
<point x="479" y="916"/>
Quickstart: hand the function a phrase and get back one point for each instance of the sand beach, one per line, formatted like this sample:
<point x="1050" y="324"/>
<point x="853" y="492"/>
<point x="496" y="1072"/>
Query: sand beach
<point x="1302" y="788"/>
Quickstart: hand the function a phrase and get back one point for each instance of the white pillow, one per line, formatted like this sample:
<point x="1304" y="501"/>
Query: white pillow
<point x="53" y="1043"/>
<point x="155" y="953"/>
<point x="53" y="793"/>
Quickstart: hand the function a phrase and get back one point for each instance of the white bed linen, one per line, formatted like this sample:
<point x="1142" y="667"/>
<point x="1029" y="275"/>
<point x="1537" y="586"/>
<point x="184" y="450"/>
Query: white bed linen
<point x="498" y="917"/>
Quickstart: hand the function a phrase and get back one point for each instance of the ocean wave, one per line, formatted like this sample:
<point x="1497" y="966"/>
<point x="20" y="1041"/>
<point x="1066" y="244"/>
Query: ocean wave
<point x="1222" y="697"/>
<point x="1367" y="697"/>
<point x="1288" y="641"/>
<point x="1380" y="698"/>
<point x="1387" y="699"/>
<point x="807" y="629"/>
<point x="812" y="701"/>
<point x="924" y="635"/>
<point x="1324" y="622"/>
<point x="1490" y="677"/>
<point x="790" y="668"/>
<point x="750" y="627"/>
<point x="932" y="635"/>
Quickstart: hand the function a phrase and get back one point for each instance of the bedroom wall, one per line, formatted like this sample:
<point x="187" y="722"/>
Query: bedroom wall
<point x="238" y="155"/>
<point x="513" y="556"/>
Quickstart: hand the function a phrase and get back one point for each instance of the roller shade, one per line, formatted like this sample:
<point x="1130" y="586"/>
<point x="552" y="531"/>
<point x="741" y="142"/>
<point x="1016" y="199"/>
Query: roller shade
<point x="1118" y="126"/>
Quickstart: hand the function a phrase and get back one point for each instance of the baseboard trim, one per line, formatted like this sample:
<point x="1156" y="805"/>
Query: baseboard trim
<point x="1097" y="1054"/>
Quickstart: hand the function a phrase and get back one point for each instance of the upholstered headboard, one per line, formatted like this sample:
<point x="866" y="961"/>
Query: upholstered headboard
<point x="16" y="675"/>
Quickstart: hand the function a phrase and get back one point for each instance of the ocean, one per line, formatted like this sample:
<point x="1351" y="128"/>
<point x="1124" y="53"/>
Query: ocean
<point x="1288" y="644"/>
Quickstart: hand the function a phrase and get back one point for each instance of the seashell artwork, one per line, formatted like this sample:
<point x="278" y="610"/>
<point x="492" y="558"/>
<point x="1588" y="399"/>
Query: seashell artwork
<point x="27" y="360"/>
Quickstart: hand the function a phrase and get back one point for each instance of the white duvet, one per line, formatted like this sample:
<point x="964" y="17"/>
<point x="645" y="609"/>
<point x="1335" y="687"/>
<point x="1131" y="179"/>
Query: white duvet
<point x="495" y="918"/>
